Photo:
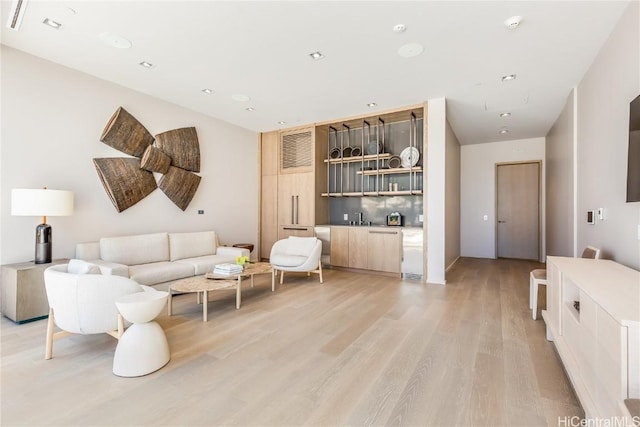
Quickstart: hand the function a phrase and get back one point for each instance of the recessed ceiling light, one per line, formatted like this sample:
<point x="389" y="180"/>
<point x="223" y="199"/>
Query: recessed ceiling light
<point x="281" y="122"/>
<point x="207" y="91"/>
<point x="372" y="104"/>
<point x="506" y="114"/>
<point x="508" y="77"/>
<point x="52" y="23"/>
<point x="114" y="40"/>
<point x="513" y="22"/>
<point x="503" y="131"/>
<point x="71" y="11"/>
<point x="400" y="28"/>
<point x="240" y="97"/>
<point x="146" y="64"/>
<point x="410" y="50"/>
<point x="250" y="109"/>
<point x="316" y="55"/>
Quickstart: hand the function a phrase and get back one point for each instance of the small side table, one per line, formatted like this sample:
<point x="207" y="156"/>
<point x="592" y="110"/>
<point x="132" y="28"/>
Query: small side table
<point x="143" y="348"/>
<point x="24" y="297"/>
<point x="248" y="246"/>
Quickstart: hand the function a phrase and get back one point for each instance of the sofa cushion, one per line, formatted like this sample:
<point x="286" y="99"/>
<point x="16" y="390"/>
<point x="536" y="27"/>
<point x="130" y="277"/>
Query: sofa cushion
<point x="88" y="251"/>
<point x="134" y="250"/>
<point x="158" y="272"/>
<point x="302" y="246"/>
<point x="285" y="260"/>
<point x="78" y="266"/>
<point x="190" y="245"/>
<point x="205" y="264"/>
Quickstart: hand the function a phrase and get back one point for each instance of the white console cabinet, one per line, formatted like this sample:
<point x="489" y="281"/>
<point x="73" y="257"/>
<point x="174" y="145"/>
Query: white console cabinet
<point x="593" y="316"/>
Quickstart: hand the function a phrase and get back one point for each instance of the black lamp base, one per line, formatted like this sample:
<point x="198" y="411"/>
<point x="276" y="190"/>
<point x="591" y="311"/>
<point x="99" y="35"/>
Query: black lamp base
<point x="43" y="244"/>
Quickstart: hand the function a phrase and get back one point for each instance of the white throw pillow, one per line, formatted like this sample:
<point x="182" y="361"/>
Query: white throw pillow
<point x="78" y="266"/>
<point x="300" y="245"/>
<point x="191" y="245"/>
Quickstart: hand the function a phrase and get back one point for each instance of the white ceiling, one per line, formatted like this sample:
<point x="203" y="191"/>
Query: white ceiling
<point x="261" y="49"/>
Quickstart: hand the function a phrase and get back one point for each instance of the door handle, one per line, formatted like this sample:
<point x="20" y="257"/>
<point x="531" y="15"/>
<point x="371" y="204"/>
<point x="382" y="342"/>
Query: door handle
<point x="297" y="210"/>
<point x="292" y="208"/>
<point x="501" y="222"/>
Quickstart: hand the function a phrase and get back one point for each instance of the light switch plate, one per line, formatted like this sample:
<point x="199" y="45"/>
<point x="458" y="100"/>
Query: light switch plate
<point x="421" y="218"/>
<point x="346" y="217"/>
<point x="485" y="218"/>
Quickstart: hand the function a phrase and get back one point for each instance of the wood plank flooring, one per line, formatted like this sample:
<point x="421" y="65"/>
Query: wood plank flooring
<point x="360" y="350"/>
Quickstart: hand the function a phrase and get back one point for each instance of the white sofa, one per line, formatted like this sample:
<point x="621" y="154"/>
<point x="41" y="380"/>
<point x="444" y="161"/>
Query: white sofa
<point x="158" y="258"/>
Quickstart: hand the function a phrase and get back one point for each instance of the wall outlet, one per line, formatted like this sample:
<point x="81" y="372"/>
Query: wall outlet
<point x="200" y="211"/>
<point x="345" y="217"/>
<point x="600" y="213"/>
<point x="485" y="218"/>
<point x="421" y="218"/>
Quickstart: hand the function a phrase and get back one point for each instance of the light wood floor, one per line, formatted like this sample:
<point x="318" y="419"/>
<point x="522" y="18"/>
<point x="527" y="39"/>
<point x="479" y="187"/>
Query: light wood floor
<point x="358" y="350"/>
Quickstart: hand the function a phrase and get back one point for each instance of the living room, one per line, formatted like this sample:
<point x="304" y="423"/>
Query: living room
<point x="52" y="117"/>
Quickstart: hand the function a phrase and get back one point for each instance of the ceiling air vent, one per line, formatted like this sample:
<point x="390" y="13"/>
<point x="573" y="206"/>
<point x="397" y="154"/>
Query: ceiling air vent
<point x="296" y="150"/>
<point x="15" y="15"/>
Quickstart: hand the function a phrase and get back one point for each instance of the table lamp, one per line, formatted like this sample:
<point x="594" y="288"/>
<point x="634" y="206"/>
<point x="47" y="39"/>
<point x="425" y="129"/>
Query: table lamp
<point x="42" y="202"/>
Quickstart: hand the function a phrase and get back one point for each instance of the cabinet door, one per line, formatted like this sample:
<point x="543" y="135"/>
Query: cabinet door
<point x="358" y="247"/>
<point x="295" y="230"/>
<point x="296" y="199"/>
<point x="385" y="249"/>
<point x="268" y="214"/>
<point x="269" y="153"/>
<point x="340" y="246"/>
<point x="304" y="199"/>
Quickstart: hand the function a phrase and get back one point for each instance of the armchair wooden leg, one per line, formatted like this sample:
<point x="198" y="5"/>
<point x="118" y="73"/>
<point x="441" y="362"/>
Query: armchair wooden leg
<point x="48" y="353"/>
<point x="320" y="271"/>
<point x="281" y="276"/>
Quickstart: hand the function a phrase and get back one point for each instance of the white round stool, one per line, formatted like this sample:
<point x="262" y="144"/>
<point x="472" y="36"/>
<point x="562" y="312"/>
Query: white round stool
<point x="143" y="348"/>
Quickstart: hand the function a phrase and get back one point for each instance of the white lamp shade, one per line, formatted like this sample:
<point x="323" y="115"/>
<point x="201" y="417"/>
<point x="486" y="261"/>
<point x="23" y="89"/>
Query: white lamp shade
<point x="41" y="202"/>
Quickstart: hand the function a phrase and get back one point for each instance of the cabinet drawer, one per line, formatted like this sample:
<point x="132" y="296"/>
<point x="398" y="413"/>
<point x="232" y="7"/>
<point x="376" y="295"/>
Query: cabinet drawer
<point x="571" y="330"/>
<point x="588" y="314"/>
<point x="612" y="337"/>
<point x="295" y="230"/>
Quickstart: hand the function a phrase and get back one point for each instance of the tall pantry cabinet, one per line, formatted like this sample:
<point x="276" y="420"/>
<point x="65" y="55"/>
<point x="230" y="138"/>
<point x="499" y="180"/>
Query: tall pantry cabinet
<point x="292" y="177"/>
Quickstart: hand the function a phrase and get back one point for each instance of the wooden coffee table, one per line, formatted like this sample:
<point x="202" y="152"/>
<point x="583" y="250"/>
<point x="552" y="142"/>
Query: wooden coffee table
<point x="214" y="282"/>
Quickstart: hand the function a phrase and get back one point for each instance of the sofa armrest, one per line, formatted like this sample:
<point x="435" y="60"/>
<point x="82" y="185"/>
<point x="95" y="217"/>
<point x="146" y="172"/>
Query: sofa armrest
<point x="231" y="251"/>
<point x="111" y="268"/>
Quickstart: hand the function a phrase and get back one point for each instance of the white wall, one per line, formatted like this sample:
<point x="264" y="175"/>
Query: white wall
<point x="604" y="93"/>
<point x="452" y="198"/>
<point x="52" y="118"/>
<point x="478" y="188"/>
<point x="560" y="212"/>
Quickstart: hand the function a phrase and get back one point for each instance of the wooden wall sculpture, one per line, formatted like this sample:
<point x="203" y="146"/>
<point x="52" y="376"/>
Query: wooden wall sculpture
<point x="175" y="154"/>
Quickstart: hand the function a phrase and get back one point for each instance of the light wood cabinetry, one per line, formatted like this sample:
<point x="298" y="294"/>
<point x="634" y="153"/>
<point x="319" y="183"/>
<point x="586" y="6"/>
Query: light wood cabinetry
<point x="268" y="192"/>
<point x="295" y="230"/>
<point x="593" y="316"/>
<point x="296" y="199"/>
<point x="366" y="248"/>
<point x="291" y="203"/>
<point x="339" y="246"/>
<point x="385" y="250"/>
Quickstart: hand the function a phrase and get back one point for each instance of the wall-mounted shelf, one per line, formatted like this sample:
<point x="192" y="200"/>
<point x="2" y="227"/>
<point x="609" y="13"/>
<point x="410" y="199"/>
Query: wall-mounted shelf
<point x="389" y="171"/>
<point x="372" y="174"/>
<point x="355" y="159"/>
<point x="375" y="193"/>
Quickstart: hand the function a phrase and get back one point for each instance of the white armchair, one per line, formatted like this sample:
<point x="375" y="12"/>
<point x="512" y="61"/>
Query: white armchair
<point x="297" y="254"/>
<point x="84" y="303"/>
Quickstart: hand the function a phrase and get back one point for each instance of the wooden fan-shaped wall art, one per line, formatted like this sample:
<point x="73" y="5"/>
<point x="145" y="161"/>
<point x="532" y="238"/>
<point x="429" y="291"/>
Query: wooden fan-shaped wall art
<point x="175" y="154"/>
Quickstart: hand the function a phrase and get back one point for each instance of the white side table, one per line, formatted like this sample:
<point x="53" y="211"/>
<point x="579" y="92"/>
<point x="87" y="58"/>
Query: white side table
<point x="143" y="348"/>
